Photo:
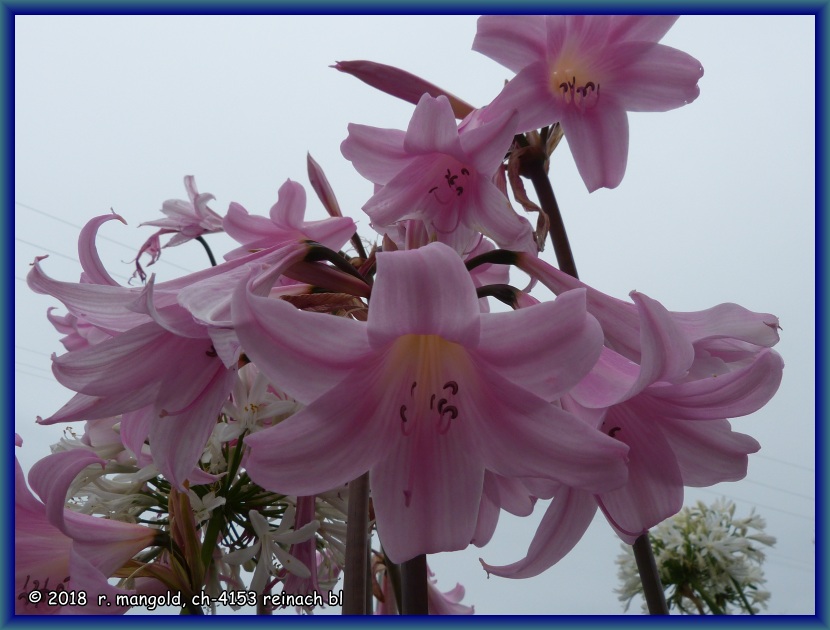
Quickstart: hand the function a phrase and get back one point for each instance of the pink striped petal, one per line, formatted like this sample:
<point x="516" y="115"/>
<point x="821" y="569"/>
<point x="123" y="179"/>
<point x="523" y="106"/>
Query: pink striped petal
<point x="306" y="353"/>
<point x="598" y="139"/>
<point x="565" y="521"/>
<point x="654" y="490"/>
<point x="433" y="129"/>
<point x="426" y="291"/>
<point x="546" y="348"/>
<point x="514" y="41"/>
<point x="708" y="452"/>
<point x="377" y="154"/>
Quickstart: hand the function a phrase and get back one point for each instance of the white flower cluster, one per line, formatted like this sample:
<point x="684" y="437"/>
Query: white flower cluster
<point x="709" y="561"/>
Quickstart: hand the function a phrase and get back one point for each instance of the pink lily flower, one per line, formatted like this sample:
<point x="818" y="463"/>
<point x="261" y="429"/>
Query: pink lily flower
<point x="186" y="220"/>
<point x="167" y="367"/>
<point x="286" y="224"/>
<point x="57" y="549"/>
<point x="667" y="396"/>
<point x="426" y="395"/>
<point x="439" y="175"/>
<point x="586" y="72"/>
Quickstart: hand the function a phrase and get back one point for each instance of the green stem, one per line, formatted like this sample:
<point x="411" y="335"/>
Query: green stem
<point x="713" y="606"/>
<point x="740" y="592"/>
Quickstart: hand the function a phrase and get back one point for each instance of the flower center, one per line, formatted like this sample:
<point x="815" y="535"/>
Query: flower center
<point x="429" y="399"/>
<point x="451" y="184"/>
<point x="575" y="85"/>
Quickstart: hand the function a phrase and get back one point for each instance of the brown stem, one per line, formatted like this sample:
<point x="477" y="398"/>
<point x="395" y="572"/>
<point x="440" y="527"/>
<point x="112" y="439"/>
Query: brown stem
<point x="649" y="576"/>
<point x="414" y="586"/>
<point x="357" y="548"/>
<point x="533" y="167"/>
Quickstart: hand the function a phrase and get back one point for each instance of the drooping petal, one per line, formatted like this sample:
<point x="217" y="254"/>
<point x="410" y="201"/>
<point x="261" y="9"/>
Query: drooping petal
<point x="708" y="452"/>
<point x="598" y="139"/>
<point x="94" y="270"/>
<point x="491" y="214"/>
<point x="546" y="348"/>
<point x="737" y="393"/>
<point x="565" y="521"/>
<point x="121" y="366"/>
<point x="426" y="291"/>
<point x="654" y="490"/>
<point x="730" y="321"/>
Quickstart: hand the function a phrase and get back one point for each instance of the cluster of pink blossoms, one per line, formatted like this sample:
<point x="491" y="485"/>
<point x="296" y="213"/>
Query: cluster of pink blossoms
<point x="228" y="412"/>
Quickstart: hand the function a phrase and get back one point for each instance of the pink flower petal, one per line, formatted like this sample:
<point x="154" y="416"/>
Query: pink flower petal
<point x="730" y="321"/>
<point x="565" y="521"/>
<point x="654" y="490"/>
<point x="306" y="353"/>
<point x="708" y="452"/>
<point x="736" y="393"/>
<point x="653" y="77"/>
<point x="290" y="206"/>
<point x="641" y="28"/>
<point x="598" y="139"/>
<point x="377" y="154"/>
<point x="514" y="41"/>
<point x="540" y="440"/>
<point x="177" y="442"/>
<point x="426" y="493"/>
<point x="546" y="348"/>
<point x="94" y="270"/>
<point x="426" y="291"/>
<point x="433" y="129"/>
<point x="346" y="426"/>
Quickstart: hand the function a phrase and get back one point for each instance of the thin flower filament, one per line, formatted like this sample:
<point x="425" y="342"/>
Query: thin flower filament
<point x="576" y="85"/>
<point x="428" y="367"/>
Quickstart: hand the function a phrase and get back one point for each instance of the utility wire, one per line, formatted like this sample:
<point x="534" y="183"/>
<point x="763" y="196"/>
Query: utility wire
<point x="100" y="236"/>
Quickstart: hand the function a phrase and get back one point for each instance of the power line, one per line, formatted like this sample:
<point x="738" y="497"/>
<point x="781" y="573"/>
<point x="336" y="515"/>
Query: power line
<point x="781" y="461"/>
<point x="785" y="491"/>
<point x="100" y="236"/>
<point x="767" y="507"/>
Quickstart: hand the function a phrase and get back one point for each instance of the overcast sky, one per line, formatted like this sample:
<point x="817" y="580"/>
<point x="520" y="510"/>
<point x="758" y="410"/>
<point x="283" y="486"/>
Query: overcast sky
<point x="717" y="205"/>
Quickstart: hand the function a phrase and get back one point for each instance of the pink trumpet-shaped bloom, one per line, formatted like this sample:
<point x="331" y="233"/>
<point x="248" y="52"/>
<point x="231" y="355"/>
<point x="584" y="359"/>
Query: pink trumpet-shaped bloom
<point x="586" y="72"/>
<point x="427" y="395"/>
<point x="666" y="394"/>
<point x="439" y="175"/>
<point x="186" y="220"/>
<point x="57" y="549"/>
<point x="286" y="224"/>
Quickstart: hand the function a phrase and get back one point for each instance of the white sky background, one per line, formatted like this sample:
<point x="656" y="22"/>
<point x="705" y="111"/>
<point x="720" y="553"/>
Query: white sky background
<point x="717" y="205"/>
